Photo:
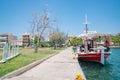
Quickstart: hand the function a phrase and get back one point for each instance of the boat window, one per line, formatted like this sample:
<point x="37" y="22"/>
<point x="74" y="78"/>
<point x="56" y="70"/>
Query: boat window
<point x="88" y="42"/>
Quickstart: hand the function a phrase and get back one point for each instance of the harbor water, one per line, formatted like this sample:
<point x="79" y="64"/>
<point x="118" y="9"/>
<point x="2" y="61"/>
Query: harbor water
<point x="110" y="71"/>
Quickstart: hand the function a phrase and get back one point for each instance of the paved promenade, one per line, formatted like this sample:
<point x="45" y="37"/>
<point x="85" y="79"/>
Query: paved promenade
<point x="59" y="67"/>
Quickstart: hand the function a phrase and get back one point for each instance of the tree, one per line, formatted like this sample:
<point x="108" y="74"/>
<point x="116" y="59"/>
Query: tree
<point x="76" y="41"/>
<point x="57" y="38"/>
<point x="35" y="40"/>
<point x="38" y="26"/>
<point x="115" y="39"/>
<point x="96" y="38"/>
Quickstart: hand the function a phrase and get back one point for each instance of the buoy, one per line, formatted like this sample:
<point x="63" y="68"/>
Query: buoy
<point x="78" y="77"/>
<point x="74" y="57"/>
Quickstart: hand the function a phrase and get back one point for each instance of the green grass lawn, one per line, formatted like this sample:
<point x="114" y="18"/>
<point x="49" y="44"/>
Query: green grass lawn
<point x="26" y="57"/>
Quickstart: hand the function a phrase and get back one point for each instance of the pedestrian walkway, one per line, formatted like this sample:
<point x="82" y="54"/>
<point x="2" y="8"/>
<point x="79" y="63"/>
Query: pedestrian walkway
<point x="59" y="67"/>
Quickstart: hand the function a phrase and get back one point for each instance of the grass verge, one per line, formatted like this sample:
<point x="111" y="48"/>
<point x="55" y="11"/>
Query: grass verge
<point x="26" y="57"/>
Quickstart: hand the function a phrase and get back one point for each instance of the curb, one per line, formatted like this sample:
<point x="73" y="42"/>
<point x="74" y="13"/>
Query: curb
<point x="81" y="71"/>
<point x="26" y="68"/>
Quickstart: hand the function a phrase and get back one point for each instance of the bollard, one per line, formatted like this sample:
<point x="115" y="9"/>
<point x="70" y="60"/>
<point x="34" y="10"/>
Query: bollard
<point x="74" y="57"/>
<point x="78" y="77"/>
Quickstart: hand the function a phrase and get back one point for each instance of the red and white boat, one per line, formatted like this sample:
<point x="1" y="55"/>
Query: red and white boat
<point x="91" y="50"/>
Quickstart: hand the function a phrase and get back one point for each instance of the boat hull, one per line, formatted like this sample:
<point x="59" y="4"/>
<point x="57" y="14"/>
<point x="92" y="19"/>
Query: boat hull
<point x="96" y="57"/>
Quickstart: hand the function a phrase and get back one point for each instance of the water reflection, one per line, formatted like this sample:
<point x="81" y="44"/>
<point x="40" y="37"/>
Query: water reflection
<point x="110" y="71"/>
<point x="95" y="71"/>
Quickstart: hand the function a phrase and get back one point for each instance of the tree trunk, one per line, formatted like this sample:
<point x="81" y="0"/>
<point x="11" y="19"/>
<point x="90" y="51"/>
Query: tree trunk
<point x="36" y="49"/>
<point x="39" y="43"/>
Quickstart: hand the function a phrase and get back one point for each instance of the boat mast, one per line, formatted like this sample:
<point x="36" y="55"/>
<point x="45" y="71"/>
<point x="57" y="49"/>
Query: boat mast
<point x="86" y="24"/>
<point x="86" y="31"/>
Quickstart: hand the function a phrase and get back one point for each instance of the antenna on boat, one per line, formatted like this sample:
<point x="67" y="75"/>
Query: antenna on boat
<point x="86" y="24"/>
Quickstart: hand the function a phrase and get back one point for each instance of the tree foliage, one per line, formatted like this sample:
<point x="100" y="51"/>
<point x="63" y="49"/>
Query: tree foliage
<point x="75" y="41"/>
<point x="35" y="40"/>
<point x="116" y="39"/>
<point x="57" y="38"/>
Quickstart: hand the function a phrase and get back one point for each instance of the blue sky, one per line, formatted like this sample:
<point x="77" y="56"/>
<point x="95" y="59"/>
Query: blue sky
<point x="103" y="15"/>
